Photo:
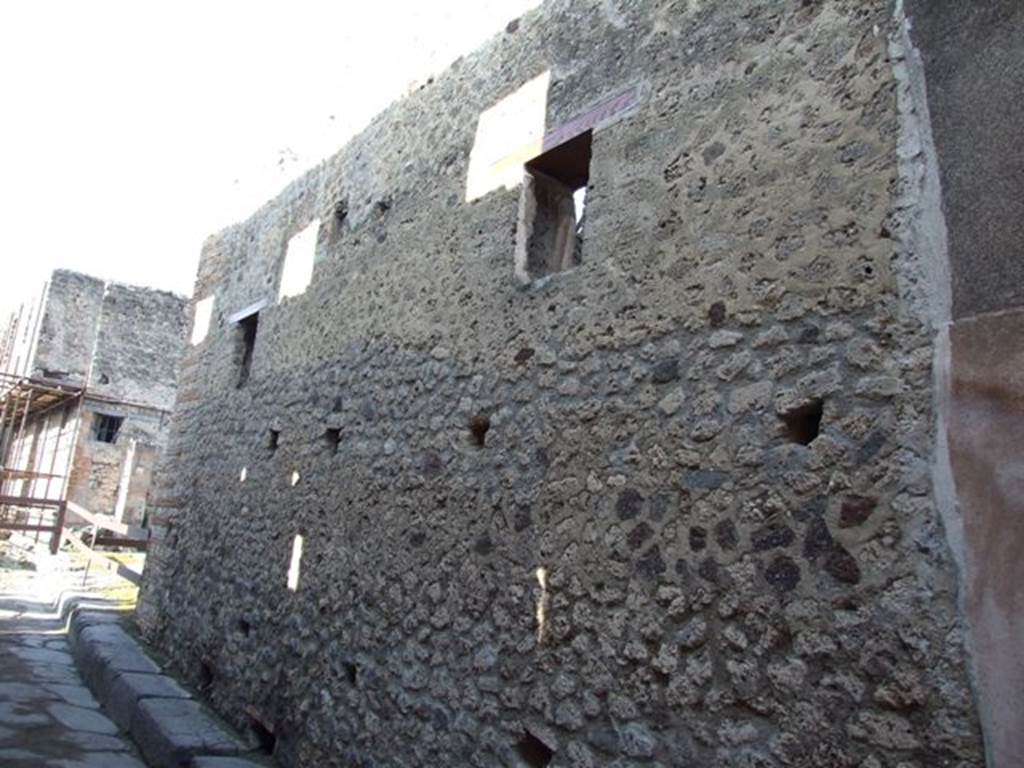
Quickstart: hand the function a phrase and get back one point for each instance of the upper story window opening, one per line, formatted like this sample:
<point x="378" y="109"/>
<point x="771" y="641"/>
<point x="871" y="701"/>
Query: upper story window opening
<point x="105" y="427"/>
<point x="297" y="270"/>
<point x="247" y="328"/>
<point x="552" y="209"/>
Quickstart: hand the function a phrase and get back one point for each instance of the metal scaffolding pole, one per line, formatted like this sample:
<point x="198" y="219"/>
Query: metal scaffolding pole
<point x="21" y="428"/>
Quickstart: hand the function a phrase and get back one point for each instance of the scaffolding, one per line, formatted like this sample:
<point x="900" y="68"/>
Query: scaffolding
<point x="39" y="423"/>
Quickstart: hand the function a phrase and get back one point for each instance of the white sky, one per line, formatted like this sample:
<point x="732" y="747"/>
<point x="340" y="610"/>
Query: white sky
<point x="131" y="130"/>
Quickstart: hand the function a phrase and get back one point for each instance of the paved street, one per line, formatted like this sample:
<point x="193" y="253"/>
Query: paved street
<point x="47" y="715"/>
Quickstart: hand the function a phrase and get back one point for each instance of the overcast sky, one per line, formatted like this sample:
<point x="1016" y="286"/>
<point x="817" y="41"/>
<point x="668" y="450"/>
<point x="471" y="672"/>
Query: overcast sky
<point x="132" y="129"/>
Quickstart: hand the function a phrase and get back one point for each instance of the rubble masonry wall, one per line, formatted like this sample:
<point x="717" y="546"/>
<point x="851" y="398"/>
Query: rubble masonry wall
<point x="639" y="566"/>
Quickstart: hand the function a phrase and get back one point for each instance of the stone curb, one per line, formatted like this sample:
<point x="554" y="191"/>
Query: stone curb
<point x="170" y="728"/>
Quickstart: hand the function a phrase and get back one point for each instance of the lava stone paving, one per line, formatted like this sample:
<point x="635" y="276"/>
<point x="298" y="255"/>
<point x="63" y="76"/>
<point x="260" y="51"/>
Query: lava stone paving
<point x="47" y="715"/>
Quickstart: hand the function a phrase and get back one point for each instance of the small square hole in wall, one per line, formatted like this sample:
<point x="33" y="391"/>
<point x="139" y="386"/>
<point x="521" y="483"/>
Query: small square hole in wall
<point x="247" y="328"/>
<point x="273" y="436"/>
<point x="552" y="207"/>
<point x="260" y="731"/>
<point x="479" y="425"/>
<point x="339" y="213"/>
<point x="534" y="752"/>
<point x="206" y="675"/>
<point x="105" y="427"/>
<point x="332" y="439"/>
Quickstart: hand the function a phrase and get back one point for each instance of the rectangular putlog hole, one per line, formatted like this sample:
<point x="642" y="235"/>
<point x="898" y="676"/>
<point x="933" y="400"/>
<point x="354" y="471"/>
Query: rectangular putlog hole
<point x="261" y="731"/>
<point x="479" y="425"/>
<point x="533" y="751"/>
<point x="802" y="423"/>
<point x="332" y="439"/>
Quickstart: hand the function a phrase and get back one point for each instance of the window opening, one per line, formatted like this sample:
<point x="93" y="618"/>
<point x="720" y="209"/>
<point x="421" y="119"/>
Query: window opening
<point x="203" y="313"/>
<point x="247" y="328"/>
<point x="105" y="427"/>
<point x="297" y="271"/>
<point x="553" y="209"/>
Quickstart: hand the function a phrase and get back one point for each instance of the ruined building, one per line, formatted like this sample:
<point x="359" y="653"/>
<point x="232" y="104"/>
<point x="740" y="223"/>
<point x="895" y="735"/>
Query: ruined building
<point x="644" y="390"/>
<point x="89" y="373"/>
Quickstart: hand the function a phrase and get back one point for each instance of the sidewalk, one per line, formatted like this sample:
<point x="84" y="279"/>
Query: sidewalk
<point x="47" y="715"/>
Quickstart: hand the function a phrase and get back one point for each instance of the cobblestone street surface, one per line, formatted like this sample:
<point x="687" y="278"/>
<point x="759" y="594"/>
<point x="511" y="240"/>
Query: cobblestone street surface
<point x="47" y="715"/>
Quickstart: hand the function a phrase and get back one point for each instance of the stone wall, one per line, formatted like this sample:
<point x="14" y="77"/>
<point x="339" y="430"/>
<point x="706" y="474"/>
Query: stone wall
<point x="141" y="340"/>
<point x="67" y="331"/>
<point x="100" y="469"/>
<point x="126" y="339"/>
<point x="124" y="343"/>
<point x="671" y="507"/>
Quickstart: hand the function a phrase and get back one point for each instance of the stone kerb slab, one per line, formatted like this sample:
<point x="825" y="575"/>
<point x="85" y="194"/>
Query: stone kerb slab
<point x="105" y="651"/>
<point x="171" y="732"/>
<point x="223" y="762"/>
<point x="127" y="691"/>
<point x="169" y="727"/>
